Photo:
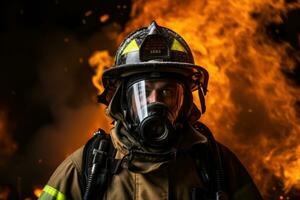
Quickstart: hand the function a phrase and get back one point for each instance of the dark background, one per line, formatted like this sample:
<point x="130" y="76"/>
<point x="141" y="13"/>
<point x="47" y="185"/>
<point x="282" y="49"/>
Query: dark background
<point x="33" y="33"/>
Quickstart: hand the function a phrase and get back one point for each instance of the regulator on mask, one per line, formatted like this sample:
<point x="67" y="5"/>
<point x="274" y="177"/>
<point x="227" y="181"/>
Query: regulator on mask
<point x="154" y="106"/>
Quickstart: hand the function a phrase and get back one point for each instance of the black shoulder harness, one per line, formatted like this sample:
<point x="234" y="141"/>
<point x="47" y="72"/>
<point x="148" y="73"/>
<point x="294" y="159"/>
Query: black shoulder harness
<point x="97" y="164"/>
<point x="208" y="158"/>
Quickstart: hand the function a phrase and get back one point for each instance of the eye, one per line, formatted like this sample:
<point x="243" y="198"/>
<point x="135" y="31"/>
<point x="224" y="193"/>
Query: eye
<point x="167" y="92"/>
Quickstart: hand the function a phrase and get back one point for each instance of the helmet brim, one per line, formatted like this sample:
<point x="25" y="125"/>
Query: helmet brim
<point x="115" y="74"/>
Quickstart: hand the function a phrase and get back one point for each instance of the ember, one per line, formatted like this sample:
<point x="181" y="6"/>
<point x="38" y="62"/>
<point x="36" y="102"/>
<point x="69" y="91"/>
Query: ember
<point x="104" y="18"/>
<point x="37" y="191"/>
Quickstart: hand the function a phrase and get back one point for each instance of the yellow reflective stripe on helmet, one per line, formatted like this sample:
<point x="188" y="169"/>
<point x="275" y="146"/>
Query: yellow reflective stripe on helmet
<point x="50" y="193"/>
<point x="176" y="46"/>
<point x="132" y="46"/>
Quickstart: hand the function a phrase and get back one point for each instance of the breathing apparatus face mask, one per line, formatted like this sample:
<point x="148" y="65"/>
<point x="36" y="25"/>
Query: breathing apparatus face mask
<point x="154" y="106"/>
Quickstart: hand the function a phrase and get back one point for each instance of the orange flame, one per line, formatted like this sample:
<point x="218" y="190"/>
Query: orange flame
<point x="37" y="192"/>
<point x="8" y="145"/>
<point x="251" y="105"/>
<point x="100" y="60"/>
<point x="4" y="192"/>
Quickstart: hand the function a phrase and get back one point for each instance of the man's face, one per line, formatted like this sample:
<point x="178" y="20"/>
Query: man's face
<point x="146" y="92"/>
<point x="164" y="92"/>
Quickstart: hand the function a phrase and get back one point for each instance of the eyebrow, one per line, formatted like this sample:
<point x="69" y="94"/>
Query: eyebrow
<point x="163" y="85"/>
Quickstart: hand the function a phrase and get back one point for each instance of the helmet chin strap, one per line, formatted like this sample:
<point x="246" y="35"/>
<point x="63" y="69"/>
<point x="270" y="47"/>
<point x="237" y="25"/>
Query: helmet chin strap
<point x="201" y="98"/>
<point x="201" y="92"/>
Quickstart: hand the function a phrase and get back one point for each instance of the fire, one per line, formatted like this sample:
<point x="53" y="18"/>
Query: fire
<point x="100" y="60"/>
<point x="37" y="192"/>
<point x="4" y="192"/>
<point x="250" y="104"/>
<point x="8" y="145"/>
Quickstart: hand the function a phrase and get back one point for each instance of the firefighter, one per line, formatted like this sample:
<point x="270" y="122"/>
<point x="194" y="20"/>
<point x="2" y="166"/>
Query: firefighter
<point x="157" y="149"/>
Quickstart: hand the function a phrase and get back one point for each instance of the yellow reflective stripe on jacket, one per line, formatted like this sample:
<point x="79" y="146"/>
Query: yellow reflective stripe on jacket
<point x="50" y="193"/>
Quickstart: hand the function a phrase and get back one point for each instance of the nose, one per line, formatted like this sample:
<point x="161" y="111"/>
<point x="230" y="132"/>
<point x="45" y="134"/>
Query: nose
<point x="152" y="97"/>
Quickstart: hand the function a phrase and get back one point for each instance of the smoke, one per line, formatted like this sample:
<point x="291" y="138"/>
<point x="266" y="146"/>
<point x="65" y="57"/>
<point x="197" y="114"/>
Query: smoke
<point x="65" y="83"/>
<point x="65" y="86"/>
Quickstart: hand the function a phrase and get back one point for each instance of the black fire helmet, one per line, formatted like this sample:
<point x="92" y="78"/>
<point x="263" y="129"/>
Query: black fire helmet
<point x="150" y="50"/>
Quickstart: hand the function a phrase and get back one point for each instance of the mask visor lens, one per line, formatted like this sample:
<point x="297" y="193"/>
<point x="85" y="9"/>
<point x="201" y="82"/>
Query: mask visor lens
<point x="143" y="93"/>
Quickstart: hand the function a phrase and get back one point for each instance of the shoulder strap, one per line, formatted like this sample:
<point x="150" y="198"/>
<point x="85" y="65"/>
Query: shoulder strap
<point x="97" y="156"/>
<point x="202" y="156"/>
<point x="209" y="163"/>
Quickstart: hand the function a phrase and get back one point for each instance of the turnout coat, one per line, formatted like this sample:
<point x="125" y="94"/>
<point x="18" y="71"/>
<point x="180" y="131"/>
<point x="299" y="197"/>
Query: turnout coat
<point x="178" y="178"/>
